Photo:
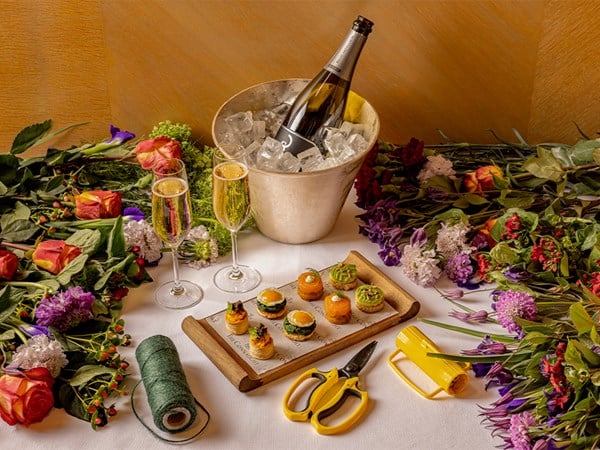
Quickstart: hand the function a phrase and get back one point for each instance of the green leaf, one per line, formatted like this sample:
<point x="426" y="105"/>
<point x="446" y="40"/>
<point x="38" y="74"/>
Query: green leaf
<point x="86" y="373"/>
<point x="581" y="319"/>
<point x="544" y="165"/>
<point x="116" y="240"/>
<point x="87" y="240"/>
<point x="19" y="231"/>
<point x="72" y="269"/>
<point x="28" y="136"/>
<point x="506" y="338"/>
<point x="9" y="165"/>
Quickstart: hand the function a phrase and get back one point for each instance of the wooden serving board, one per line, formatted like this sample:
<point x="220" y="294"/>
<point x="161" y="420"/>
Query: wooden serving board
<point x="230" y="353"/>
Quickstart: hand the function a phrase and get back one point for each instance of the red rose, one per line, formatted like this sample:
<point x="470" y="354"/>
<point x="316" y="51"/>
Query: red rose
<point x="26" y="398"/>
<point x="9" y="263"/>
<point x="54" y="255"/>
<point x="98" y="204"/>
<point x="482" y="179"/>
<point x="150" y="151"/>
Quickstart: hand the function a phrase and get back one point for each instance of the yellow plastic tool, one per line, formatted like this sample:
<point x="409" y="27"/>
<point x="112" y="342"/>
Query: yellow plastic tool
<point x="329" y="395"/>
<point x="450" y="376"/>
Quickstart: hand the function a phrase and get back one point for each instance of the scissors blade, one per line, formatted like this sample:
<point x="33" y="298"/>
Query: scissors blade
<point x="358" y="361"/>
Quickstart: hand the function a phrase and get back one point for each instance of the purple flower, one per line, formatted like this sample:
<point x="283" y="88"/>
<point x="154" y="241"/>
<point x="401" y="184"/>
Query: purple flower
<point x="498" y="374"/>
<point x="118" y="137"/>
<point x="512" y="305"/>
<point x="515" y="274"/>
<point x="34" y="330"/>
<point x="65" y="310"/>
<point x="390" y="256"/>
<point x="453" y="294"/>
<point x="418" y="238"/>
<point x="458" y="268"/>
<point x="134" y="213"/>
<point x="519" y="430"/>
<point x="487" y="347"/>
<point x="478" y="316"/>
<point x="481" y="369"/>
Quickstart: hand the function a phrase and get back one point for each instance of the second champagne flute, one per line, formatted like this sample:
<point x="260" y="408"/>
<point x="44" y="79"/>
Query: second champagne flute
<point x="231" y="204"/>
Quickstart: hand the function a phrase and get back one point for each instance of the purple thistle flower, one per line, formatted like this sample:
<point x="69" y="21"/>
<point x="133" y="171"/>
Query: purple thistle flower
<point x="487" y="347"/>
<point x="458" y="268"/>
<point x="512" y="305"/>
<point x="118" y="137"/>
<point x="133" y="213"/>
<point x="66" y="309"/>
<point x="478" y="316"/>
<point x="519" y="430"/>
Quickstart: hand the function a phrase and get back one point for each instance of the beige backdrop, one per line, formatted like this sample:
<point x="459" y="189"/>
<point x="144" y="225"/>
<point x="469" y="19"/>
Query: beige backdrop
<point x="463" y="67"/>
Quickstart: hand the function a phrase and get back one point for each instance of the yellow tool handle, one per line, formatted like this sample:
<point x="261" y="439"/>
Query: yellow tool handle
<point x="328" y="380"/>
<point x="349" y="387"/>
<point x="408" y="381"/>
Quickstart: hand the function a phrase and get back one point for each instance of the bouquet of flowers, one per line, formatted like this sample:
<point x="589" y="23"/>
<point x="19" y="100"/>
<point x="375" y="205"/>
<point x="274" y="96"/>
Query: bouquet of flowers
<point x="73" y="240"/>
<point x="522" y="219"/>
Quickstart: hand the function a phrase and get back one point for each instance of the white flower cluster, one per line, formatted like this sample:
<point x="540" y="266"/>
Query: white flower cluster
<point x="420" y="266"/>
<point x="436" y="165"/>
<point x="452" y="239"/>
<point x="141" y="234"/>
<point x="40" y="351"/>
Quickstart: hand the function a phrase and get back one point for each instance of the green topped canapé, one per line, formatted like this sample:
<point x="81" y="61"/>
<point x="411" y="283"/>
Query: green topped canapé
<point x="343" y="272"/>
<point x="369" y="294"/>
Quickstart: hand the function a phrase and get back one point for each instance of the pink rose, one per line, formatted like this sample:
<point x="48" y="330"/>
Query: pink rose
<point x="53" y="255"/>
<point x="26" y="398"/>
<point x="98" y="204"/>
<point x="9" y="263"/>
<point x="150" y="151"/>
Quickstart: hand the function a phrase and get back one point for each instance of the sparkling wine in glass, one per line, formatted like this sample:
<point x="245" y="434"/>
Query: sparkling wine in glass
<point x="231" y="204"/>
<point x="171" y="218"/>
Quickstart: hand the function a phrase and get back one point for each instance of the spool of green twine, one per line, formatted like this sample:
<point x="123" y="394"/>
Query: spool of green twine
<point x="169" y="397"/>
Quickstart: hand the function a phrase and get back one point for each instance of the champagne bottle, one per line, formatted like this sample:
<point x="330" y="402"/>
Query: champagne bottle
<point x="321" y="103"/>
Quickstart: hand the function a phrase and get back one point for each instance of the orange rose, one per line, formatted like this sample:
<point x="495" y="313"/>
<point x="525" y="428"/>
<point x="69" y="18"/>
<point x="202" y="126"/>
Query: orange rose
<point x="54" y="255"/>
<point x="26" y="398"/>
<point x="150" y="151"/>
<point x="98" y="204"/>
<point x="486" y="231"/>
<point x="482" y="179"/>
<point x="9" y="263"/>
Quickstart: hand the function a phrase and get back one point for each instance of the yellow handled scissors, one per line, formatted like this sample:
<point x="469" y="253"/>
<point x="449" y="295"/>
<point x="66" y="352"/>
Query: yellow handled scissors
<point x="329" y="394"/>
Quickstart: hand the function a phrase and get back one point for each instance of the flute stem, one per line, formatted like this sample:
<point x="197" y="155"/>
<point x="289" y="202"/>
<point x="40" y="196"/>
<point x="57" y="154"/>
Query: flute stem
<point x="235" y="273"/>
<point x="177" y="288"/>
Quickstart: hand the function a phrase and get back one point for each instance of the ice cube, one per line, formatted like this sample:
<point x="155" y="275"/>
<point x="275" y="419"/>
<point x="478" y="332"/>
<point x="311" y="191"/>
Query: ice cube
<point x="289" y="163"/>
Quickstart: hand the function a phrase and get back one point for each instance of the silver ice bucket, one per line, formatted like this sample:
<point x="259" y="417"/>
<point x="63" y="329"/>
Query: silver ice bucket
<point x="296" y="208"/>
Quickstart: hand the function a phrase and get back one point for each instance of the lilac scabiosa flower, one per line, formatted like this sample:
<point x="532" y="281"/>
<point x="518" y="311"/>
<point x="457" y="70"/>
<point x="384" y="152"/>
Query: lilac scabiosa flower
<point x="512" y="305"/>
<point x="141" y="235"/>
<point x="65" y="310"/>
<point x="39" y="351"/>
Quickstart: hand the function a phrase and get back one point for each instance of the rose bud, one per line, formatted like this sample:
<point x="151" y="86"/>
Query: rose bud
<point x="26" y="398"/>
<point x="9" y="263"/>
<point x="98" y="204"/>
<point x="150" y="151"/>
<point x="482" y="179"/>
<point x="53" y="255"/>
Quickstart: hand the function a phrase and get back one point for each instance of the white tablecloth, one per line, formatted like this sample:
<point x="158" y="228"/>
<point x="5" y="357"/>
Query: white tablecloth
<point x="397" y="417"/>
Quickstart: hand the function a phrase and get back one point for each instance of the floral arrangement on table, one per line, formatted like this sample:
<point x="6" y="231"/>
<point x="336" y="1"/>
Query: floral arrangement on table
<point x="74" y="237"/>
<point x="522" y="222"/>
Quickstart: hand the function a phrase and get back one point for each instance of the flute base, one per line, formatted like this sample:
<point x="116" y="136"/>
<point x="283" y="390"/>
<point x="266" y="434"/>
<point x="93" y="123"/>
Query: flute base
<point x="245" y="279"/>
<point x="167" y="296"/>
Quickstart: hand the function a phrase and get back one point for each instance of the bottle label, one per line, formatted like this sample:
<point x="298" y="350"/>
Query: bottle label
<point x="293" y="142"/>
<point x="342" y="63"/>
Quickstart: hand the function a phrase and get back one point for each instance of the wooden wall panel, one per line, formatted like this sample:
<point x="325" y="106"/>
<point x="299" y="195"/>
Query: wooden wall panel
<point x="462" y="66"/>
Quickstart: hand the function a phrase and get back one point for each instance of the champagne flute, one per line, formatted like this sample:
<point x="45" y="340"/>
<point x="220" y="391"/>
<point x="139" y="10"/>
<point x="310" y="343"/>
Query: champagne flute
<point x="231" y="204"/>
<point x="171" y="219"/>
